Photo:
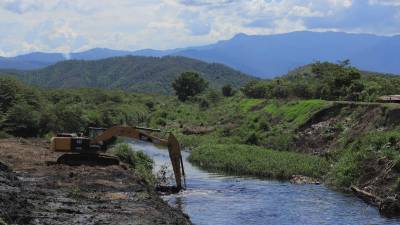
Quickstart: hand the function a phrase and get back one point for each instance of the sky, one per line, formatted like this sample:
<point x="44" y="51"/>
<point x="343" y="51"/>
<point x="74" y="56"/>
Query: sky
<point x="77" y="25"/>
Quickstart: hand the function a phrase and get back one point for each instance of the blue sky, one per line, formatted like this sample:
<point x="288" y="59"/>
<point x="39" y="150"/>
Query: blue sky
<point x="76" y="25"/>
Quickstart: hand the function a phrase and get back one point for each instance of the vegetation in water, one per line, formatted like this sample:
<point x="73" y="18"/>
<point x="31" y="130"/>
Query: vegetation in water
<point x="136" y="160"/>
<point x="257" y="161"/>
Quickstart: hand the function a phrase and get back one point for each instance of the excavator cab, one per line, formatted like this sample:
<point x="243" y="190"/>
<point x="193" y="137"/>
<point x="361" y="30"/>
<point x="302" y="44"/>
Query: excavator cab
<point x="93" y="132"/>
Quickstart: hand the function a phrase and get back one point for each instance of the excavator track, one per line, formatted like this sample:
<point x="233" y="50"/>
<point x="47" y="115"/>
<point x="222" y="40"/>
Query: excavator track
<point x="87" y="159"/>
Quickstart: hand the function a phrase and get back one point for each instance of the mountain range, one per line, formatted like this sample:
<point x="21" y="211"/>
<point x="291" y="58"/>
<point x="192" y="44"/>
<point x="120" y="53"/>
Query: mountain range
<point x="265" y="56"/>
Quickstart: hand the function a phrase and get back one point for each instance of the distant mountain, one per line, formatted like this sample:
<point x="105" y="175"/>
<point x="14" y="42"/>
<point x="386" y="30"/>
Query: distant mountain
<point x="265" y="55"/>
<point x="130" y="73"/>
<point x="271" y="55"/>
<point x="30" y="61"/>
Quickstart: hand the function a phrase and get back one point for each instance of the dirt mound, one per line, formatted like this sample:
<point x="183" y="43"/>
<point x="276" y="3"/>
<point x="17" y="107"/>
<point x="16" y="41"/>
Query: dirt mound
<point x="58" y="194"/>
<point x="197" y="130"/>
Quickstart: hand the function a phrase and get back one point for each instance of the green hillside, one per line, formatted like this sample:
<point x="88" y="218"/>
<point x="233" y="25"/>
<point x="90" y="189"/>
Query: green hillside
<point x="328" y="81"/>
<point x="139" y="74"/>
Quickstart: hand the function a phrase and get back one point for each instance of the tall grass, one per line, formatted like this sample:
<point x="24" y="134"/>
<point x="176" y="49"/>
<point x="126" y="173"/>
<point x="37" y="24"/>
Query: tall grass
<point x="138" y="161"/>
<point x="247" y="104"/>
<point x="353" y="160"/>
<point x="257" y="161"/>
<point x="296" y="112"/>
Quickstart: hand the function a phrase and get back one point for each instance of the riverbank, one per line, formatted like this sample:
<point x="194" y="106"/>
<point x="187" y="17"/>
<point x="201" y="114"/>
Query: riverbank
<point x="36" y="193"/>
<point x="358" y="143"/>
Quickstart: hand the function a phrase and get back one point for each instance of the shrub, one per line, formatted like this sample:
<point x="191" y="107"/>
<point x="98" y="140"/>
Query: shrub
<point x="203" y="103"/>
<point x="255" y="89"/>
<point x="137" y="161"/>
<point x="227" y="91"/>
<point x="252" y="139"/>
<point x="150" y="105"/>
<point x="161" y="122"/>
<point x="213" y="96"/>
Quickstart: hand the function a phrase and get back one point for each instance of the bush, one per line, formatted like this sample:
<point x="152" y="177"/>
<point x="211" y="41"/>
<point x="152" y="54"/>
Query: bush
<point x="150" y="105"/>
<point x="256" y="89"/>
<point x="138" y="161"/>
<point x="161" y="122"/>
<point x="213" y="96"/>
<point x="227" y="91"/>
<point x="252" y="139"/>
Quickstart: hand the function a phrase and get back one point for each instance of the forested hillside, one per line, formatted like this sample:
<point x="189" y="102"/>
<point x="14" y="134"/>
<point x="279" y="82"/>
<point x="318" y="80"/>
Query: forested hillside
<point x="140" y="74"/>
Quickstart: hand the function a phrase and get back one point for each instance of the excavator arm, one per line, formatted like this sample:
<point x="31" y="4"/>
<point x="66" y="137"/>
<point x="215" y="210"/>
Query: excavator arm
<point x="139" y="134"/>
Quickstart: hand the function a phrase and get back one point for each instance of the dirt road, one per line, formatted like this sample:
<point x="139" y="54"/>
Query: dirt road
<point x="32" y="192"/>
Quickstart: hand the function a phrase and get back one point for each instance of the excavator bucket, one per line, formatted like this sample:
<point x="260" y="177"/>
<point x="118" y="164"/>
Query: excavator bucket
<point x="176" y="160"/>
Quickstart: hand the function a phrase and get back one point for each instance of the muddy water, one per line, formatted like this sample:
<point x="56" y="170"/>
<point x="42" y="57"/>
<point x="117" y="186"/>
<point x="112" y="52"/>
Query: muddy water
<point x="215" y="199"/>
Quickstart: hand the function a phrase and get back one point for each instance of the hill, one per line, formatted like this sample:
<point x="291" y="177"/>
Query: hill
<point x="130" y="73"/>
<point x="264" y="56"/>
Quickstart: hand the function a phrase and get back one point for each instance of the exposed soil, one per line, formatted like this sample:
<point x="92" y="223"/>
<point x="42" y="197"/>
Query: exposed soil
<point x="197" y="130"/>
<point x="34" y="192"/>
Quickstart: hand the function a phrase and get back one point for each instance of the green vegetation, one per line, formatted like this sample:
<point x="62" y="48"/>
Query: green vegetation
<point x="189" y="84"/>
<point x="139" y="162"/>
<point x="130" y="73"/>
<point x="32" y="112"/>
<point x="296" y="112"/>
<point x="252" y="160"/>
<point x="362" y="157"/>
<point x="227" y="90"/>
<point x="264" y="123"/>
<point x="325" y="81"/>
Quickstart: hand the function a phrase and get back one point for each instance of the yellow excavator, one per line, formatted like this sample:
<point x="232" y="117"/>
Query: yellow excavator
<point x="88" y="147"/>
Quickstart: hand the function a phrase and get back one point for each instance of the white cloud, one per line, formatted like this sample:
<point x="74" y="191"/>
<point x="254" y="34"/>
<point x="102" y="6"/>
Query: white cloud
<point x="73" y="25"/>
<point x="385" y="2"/>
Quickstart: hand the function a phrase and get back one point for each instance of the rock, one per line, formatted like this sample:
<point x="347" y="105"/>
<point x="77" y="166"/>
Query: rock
<point x="300" y="179"/>
<point x="390" y="207"/>
<point x="4" y="167"/>
<point x="198" y="130"/>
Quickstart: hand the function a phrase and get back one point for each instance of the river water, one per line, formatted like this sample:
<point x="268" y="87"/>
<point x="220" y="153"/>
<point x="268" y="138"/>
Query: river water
<point x="216" y="199"/>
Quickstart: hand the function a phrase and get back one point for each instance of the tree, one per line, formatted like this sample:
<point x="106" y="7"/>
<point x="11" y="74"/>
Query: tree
<point x="227" y="90"/>
<point x="256" y="89"/>
<point x="22" y="120"/>
<point x="189" y="84"/>
<point x="9" y="90"/>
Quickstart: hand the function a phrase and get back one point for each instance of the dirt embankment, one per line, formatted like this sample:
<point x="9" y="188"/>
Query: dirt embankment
<point x="328" y="133"/>
<point x="31" y="192"/>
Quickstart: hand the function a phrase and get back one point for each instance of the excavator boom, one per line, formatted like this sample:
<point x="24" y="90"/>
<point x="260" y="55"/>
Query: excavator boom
<point x="138" y="133"/>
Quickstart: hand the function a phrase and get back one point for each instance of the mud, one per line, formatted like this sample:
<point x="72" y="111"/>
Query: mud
<point x="35" y="192"/>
